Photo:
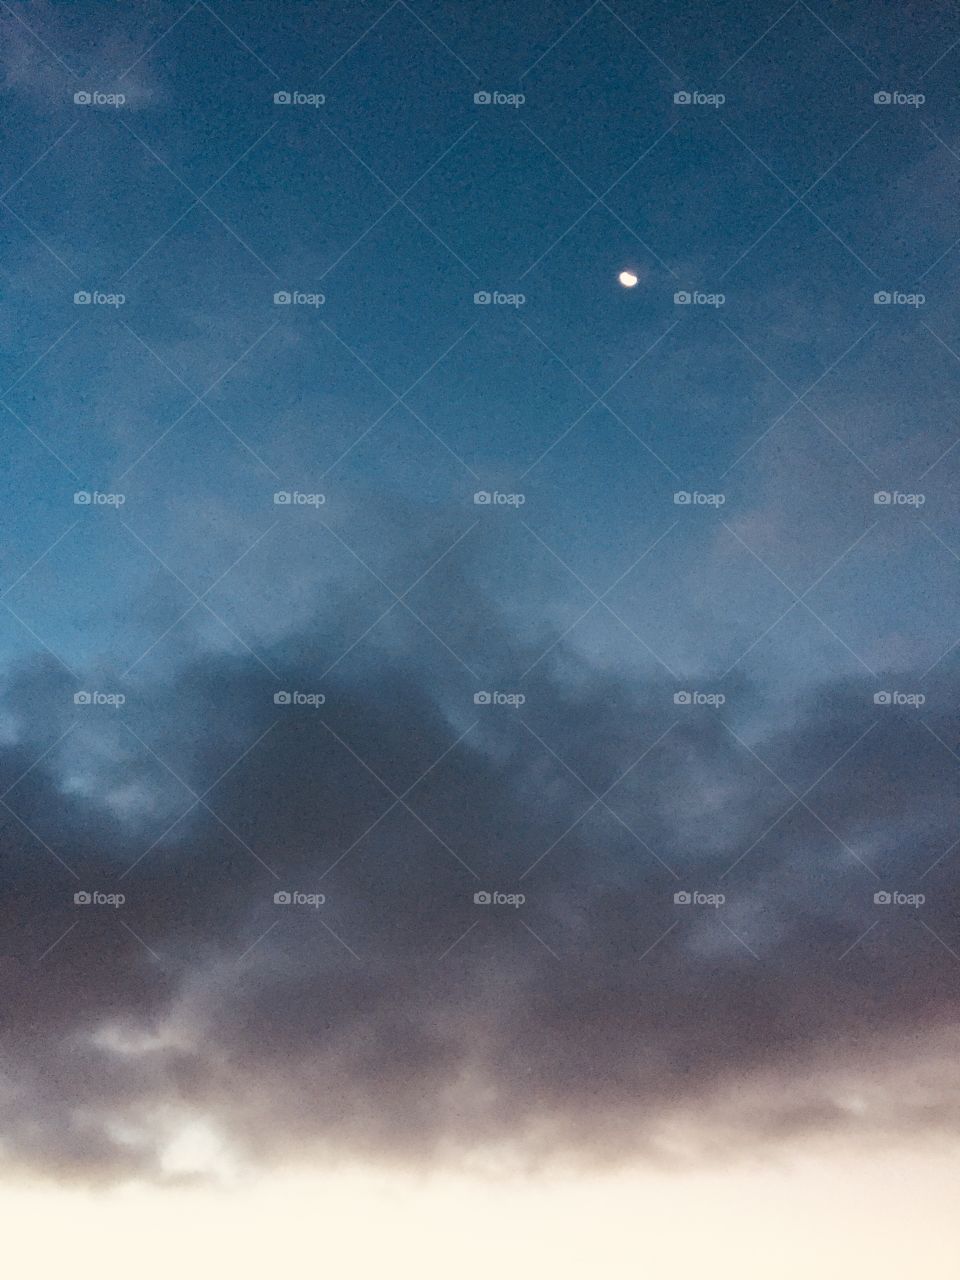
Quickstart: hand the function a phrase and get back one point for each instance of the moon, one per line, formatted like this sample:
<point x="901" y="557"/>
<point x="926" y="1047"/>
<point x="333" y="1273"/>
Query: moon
<point x="627" y="279"/>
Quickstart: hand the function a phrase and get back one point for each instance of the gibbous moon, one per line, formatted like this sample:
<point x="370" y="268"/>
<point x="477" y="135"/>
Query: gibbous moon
<point x="627" y="279"/>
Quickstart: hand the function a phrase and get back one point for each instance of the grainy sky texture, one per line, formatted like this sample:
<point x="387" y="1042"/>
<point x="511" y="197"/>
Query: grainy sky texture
<point x="461" y="715"/>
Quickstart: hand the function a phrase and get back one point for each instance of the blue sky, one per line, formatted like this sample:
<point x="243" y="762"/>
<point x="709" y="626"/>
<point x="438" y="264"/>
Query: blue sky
<point x="345" y="398"/>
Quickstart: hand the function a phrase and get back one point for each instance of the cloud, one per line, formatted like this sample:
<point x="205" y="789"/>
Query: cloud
<point x="598" y="1020"/>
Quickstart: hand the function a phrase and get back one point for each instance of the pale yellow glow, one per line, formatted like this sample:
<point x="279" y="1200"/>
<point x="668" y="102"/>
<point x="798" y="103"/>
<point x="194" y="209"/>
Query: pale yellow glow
<point x="627" y="279"/>
<point x="885" y="1217"/>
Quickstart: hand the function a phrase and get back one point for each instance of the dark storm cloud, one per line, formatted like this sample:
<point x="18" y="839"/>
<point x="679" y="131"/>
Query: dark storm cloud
<point x="401" y="1019"/>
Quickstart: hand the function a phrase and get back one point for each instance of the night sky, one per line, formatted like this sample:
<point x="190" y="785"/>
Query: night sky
<point x="458" y="709"/>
